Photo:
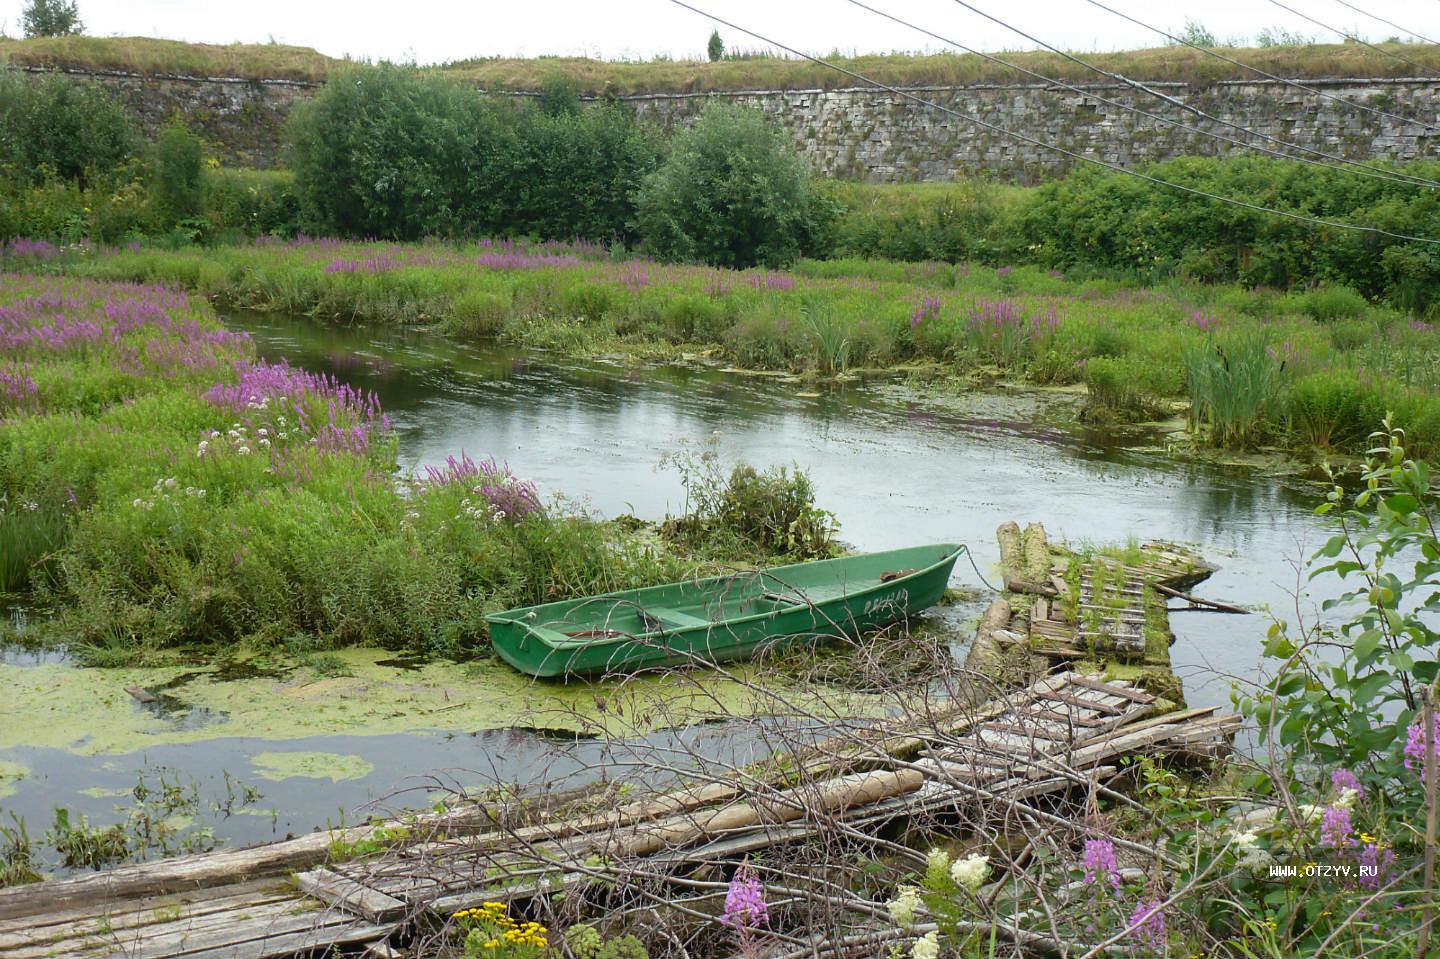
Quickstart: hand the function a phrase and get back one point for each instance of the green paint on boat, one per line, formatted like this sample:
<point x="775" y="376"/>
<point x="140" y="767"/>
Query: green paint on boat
<point x="278" y="766"/>
<point x="724" y="617"/>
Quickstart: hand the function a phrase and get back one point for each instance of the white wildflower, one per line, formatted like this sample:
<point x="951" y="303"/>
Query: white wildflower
<point x="904" y="906"/>
<point x="243" y="450"/>
<point x="970" y="873"/>
<point x="1347" y="798"/>
<point x="264" y="442"/>
<point x="263" y="431"/>
<point x="1309" y="813"/>
<point x="138" y="503"/>
<point x="938" y="860"/>
<point x="926" y="947"/>
<point x="170" y="482"/>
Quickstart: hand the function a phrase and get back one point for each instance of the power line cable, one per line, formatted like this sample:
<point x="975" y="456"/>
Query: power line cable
<point x="1362" y="169"/>
<point x="1256" y="70"/>
<point x="1388" y="23"/>
<point x="1136" y="85"/>
<point x="1025" y="138"/>
<point x="1348" y="36"/>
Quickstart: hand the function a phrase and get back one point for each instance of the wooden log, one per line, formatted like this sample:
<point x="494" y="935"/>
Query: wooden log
<point x="985" y="656"/>
<point x="1212" y="605"/>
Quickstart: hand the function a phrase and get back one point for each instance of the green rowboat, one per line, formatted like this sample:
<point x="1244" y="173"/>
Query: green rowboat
<point x="722" y="618"/>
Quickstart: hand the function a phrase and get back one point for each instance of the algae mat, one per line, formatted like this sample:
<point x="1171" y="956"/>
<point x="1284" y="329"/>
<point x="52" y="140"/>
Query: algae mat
<point x="88" y="711"/>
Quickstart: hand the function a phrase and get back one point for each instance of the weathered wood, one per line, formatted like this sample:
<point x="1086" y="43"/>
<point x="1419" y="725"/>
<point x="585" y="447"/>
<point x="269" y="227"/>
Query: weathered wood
<point x="1114" y="689"/>
<point x="1214" y="605"/>
<point x="1060" y="697"/>
<point x="349" y="895"/>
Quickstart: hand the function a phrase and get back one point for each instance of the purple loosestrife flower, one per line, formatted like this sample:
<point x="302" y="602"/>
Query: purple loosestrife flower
<point x="1203" y="322"/>
<point x="928" y="309"/>
<point x="1375" y="865"/>
<point x="1100" y="862"/>
<point x="1004" y="271"/>
<point x="1415" y="744"/>
<point x="1343" y="779"/>
<point x="745" y="906"/>
<point x="1148" y="921"/>
<point x="1336" y="828"/>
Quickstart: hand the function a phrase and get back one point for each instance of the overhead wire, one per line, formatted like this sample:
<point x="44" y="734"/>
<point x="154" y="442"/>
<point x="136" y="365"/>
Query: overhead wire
<point x="1360" y="169"/>
<point x="1388" y="23"/>
<point x="1294" y="84"/>
<point x="1348" y="36"/>
<point x="1034" y="141"/>
<point x="1136" y="85"/>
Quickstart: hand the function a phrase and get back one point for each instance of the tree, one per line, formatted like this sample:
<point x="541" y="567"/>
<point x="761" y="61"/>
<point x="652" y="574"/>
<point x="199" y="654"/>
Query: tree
<point x="733" y="192"/>
<point x="58" y="127"/>
<point x="179" y="172"/>
<point x="51" y="18"/>
<point x="716" y="47"/>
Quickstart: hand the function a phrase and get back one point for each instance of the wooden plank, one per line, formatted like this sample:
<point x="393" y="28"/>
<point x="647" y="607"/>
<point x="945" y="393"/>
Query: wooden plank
<point x="284" y="944"/>
<point x="347" y="894"/>
<point x="1068" y="719"/>
<point x="1060" y="697"/>
<point x="1035" y="730"/>
<point x="82" y="921"/>
<point x="1135" y="695"/>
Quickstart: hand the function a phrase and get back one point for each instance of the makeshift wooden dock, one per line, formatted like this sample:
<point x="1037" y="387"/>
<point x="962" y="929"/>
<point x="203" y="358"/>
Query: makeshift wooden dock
<point x="1064" y="607"/>
<point x="1062" y="732"/>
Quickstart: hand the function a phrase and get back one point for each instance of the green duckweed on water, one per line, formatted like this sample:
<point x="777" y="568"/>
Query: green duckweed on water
<point x="87" y="711"/>
<point x="10" y="776"/>
<point x="278" y="766"/>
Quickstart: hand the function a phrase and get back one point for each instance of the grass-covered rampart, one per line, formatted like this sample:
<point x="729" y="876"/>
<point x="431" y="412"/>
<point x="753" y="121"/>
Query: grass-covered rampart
<point x="1307" y="369"/>
<point x="146" y="55"/>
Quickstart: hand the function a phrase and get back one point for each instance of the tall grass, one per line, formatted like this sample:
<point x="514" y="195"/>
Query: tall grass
<point x="1237" y="388"/>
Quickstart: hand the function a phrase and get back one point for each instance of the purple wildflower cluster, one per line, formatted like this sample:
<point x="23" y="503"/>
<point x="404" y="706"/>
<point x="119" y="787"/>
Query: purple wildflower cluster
<point x="635" y="278"/>
<point x="1376" y="865"/>
<point x="30" y="249"/>
<point x="1415" y="744"/>
<point x="1100" y="865"/>
<point x="745" y="906"/>
<point x="17" y="388"/>
<point x="1337" y="828"/>
<point x="370" y="264"/>
<point x="1343" y="779"/>
<point x="1203" y="321"/>
<point x="926" y="310"/>
<point x="770" y="280"/>
<point x="335" y="415"/>
<point x="141" y="330"/>
<point x="516" y="260"/>
<point x="506" y="496"/>
<point x="1004" y="271"/>
<point x="1005" y="319"/>
<point x="1148" y="921"/>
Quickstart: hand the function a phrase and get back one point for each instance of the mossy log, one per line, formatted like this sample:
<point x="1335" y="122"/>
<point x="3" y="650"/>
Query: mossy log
<point x="1025" y="559"/>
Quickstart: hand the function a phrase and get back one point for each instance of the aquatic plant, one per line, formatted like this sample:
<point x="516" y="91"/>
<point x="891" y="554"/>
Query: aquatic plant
<point x="1237" y="388"/>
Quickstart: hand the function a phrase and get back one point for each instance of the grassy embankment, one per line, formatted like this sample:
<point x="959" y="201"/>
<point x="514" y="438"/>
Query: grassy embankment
<point x="1308" y="369"/>
<point x="276" y="61"/>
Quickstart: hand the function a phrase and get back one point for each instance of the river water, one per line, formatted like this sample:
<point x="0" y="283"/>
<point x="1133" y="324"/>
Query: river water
<point x="896" y="466"/>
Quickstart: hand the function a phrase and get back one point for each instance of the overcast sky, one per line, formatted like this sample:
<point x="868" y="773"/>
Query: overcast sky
<point x="429" y="31"/>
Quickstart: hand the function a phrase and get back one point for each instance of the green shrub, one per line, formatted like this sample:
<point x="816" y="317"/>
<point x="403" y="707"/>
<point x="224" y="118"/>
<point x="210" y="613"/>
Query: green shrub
<point x="477" y="313"/>
<point x="1333" y="408"/>
<point x="733" y="192"/>
<point x="59" y="127"/>
<point x="179" y="173"/>
<point x="387" y="151"/>
<point x="1329" y="303"/>
<point x="1131" y="387"/>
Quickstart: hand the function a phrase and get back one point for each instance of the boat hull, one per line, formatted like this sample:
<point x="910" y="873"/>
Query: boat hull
<point x="722" y="618"/>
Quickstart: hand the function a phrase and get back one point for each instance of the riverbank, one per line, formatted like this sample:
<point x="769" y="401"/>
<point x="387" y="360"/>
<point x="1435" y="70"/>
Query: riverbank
<point x="1307" y="371"/>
